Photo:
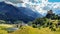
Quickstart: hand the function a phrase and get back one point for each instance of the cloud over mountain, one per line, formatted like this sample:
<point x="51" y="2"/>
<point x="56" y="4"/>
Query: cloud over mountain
<point x="41" y="6"/>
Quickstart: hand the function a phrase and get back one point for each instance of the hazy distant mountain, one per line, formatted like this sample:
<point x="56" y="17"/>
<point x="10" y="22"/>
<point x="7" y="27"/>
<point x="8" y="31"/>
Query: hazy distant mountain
<point x="10" y="12"/>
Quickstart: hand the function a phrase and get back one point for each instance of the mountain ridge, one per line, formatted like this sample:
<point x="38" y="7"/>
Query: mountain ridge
<point x="11" y="13"/>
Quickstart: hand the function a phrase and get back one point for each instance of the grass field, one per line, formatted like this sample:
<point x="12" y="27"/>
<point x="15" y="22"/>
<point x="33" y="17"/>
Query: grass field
<point x="30" y="30"/>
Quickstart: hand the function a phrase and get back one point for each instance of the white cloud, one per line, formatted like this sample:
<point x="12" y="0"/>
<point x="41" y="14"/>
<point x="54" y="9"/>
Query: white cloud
<point x="42" y="6"/>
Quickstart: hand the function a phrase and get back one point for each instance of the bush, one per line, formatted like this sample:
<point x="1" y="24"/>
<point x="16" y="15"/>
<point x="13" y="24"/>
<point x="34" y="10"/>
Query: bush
<point x="34" y="26"/>
<point x="40" y="22"/>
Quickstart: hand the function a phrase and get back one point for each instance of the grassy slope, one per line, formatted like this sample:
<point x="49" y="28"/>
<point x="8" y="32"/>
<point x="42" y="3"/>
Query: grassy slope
<point x="30" y="30"/>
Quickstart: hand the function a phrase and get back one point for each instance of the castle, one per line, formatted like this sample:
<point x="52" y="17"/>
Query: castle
<point x="49" y="14"/>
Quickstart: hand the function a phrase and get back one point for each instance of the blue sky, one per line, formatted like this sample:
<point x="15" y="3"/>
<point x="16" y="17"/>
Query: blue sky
<point x="54" y="0"/>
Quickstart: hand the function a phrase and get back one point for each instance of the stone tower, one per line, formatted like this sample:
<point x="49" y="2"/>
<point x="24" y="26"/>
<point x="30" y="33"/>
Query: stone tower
<point x="50" y="12"/>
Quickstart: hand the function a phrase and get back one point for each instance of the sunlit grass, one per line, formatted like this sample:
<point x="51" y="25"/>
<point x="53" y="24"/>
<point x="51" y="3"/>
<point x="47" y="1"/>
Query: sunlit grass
<point x="6" y="25"/>
<point x="30" y="30"/>
<point x="3" y="32"/>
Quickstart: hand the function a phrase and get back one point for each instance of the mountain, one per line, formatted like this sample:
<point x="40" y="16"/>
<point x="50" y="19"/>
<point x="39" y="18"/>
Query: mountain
<point x="11" y="13"/>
